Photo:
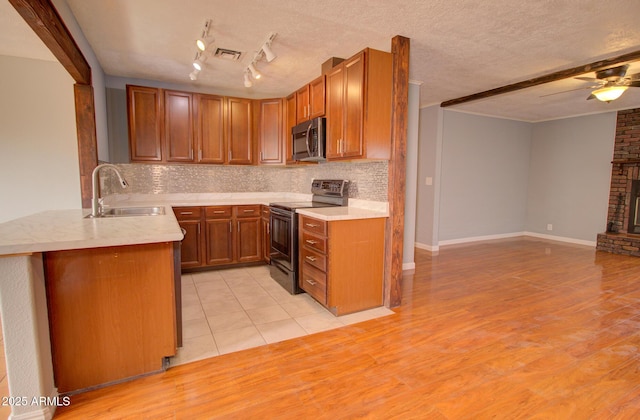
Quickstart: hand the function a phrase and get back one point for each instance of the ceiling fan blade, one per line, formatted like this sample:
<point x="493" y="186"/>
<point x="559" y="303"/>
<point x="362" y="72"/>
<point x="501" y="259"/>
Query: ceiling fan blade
<point x="570" y="90"/>
<point x="634" y="83"/>
<point x="634" y="76"/>
<point x="592" y="96"/>
<point x="588" y="79"/>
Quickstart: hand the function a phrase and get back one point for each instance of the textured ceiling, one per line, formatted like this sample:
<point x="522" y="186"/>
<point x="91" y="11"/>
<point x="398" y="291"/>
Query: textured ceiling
<point x="457" y="47"/>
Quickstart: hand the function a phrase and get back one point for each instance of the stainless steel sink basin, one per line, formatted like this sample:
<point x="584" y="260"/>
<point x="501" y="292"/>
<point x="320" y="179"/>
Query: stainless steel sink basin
<point x="130" y="211"/>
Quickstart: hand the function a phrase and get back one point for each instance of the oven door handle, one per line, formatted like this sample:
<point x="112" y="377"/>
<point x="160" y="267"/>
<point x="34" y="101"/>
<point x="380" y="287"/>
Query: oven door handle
<point x="307" y="139"/>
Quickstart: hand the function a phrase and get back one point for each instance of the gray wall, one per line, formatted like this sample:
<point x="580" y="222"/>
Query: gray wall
<point x="570" y="176"/>
<point x="428" y="197"/>
<point x="485" y="169"/>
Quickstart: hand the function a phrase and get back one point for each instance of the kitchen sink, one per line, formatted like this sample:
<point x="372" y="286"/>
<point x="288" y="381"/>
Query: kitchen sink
<point x="130" y="211"/>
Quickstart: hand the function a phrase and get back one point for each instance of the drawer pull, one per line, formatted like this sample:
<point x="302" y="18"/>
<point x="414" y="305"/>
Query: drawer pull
<point x="311" y="241"/>
<point x="218" y="212"/>
<point x="310" y="258"/>
<point x="248" y="211"/>
<point x="311" y="282"/>
<point x="185" y="213"/>
<point x="311" y="225"/>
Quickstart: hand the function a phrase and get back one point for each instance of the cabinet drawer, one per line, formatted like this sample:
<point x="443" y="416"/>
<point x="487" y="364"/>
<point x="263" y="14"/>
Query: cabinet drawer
<point x="317" y="243"/>
<point x="266" y="212"/>
<point x="314" y="282"/>
<point x="187" y="213"/>
<point x="248" y="211"/>
<point x="314" y="258"/>
<point x="313" y="225"/>
<point x="218" y="212"/>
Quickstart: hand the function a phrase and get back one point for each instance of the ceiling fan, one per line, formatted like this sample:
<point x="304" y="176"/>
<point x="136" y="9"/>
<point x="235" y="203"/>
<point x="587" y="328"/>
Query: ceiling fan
<point x="609" y="84"/>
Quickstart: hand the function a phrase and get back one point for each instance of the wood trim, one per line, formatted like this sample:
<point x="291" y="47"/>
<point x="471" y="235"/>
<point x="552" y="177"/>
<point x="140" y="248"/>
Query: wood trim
<point x="43" y="18"/>
<point x="397" y="172"/>
<point x="87" y="144"/>
<point x="552" y="77"/>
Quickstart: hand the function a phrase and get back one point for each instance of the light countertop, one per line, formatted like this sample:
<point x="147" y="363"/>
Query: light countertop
<point x="57" y="230"/>
<point x="69" y="229"/>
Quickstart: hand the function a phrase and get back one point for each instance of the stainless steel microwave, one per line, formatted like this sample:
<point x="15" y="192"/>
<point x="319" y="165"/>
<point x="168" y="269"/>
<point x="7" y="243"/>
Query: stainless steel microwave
<point x="308" y="139"/>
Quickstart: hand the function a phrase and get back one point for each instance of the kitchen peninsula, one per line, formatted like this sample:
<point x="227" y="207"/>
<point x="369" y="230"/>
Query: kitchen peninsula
<point x="29" y="244"/>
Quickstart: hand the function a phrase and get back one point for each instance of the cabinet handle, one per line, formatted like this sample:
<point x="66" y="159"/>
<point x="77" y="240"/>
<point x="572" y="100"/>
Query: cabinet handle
<point x="248" y="211"/>
<point x="198" y="228"/>
<point x="311" y="241"/>
<point x="218" y="212"/>
<point x="229" y="155"/>
<point x="311" y="225"/>
<point x="185" y="213"/>
<point x="311" y="282"/>
<point x="310" y="258"/>
<point x="238" y="227"/>
<point x="200" y="154"/>
<point x="230" y="226"/>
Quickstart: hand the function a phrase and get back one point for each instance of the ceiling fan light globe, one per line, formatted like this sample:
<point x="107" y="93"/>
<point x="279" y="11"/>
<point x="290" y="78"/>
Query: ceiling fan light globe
<point x="610" y="93"/>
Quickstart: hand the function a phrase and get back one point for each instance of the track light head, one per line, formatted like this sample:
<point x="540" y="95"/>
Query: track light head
<point x="255" y="73"/>
<point x="197" y="64"/>
<point x="247" y="80"/>
<point x="194" y="75"/>
<point x="268" y="53"/>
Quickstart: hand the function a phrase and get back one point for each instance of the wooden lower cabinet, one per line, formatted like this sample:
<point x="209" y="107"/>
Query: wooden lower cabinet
<point x="266" y="233"/>
<point x="112" y="313"/>
<point x="342" y="262"/>
<point x="223" y="235"/>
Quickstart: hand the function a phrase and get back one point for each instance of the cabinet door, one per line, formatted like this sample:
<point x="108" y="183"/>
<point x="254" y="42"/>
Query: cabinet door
<point x="239" y="131"/>
<point x="317" y="97"/>
<point x="219" y="241"/>
<point x="191" y="246"/>
<point x="144" y="111"/>
<point x="270" y="132"/>
<point x="210" y="129"/>
<point x="352" y="145"/>
<point x="178" y="123"/>
<point x="290" y="123"/>
<point x="302" y="104"/>
<point x="249" y="244"/>
<point x="335" y="100"/>
<point x="266" y="240"/>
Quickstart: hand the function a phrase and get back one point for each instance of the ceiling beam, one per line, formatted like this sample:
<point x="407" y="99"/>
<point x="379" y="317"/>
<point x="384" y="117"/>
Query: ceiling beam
<point x="552" y="77"/>
<point x="45" y="21"/>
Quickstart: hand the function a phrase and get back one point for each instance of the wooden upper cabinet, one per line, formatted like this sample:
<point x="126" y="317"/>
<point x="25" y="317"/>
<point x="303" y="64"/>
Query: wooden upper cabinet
<point x="178" y="122"/>
<point x="335" y="109"/>
<point x="310" y="100"/>
<point x="270" y="132"/>
<point x="302" y="104"/>
<point x="240" y="133"/>
<point x="317" y="97"/>
<point x="145" y="117"/>
<point x="290" y="123"/>
<point x="211" y="144"/>
<point x="359" y="107"/>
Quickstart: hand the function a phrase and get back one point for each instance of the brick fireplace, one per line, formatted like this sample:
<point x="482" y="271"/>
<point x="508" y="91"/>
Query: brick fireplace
<point x="623" y="234"/>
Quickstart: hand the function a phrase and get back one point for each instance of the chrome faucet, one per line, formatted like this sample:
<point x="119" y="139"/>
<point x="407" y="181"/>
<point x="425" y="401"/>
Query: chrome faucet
<point x="95" y="200"/>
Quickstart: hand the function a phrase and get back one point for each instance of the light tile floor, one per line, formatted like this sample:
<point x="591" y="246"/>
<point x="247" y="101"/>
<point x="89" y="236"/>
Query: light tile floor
<point x="231" y="310"/>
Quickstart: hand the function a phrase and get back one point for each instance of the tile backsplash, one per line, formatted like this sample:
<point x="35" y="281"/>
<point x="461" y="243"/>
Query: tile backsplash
<point x="368" y="179"/>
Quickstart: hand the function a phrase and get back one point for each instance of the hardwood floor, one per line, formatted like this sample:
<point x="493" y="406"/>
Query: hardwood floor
<point x="516" y="328"/>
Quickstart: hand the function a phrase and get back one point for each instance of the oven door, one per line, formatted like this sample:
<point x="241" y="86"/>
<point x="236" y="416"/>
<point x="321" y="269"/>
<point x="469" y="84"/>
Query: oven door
<point x="284" y="233"/>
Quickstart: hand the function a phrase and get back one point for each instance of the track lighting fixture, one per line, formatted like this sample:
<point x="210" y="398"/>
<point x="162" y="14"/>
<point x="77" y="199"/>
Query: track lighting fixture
<point x="255" y="73"/>
<point x="194" y="75"/>
<point x="198" y="63"/>
<point x="269" y="55"/>
<point x="205" y="40"/>
<point x="247" y="79"/>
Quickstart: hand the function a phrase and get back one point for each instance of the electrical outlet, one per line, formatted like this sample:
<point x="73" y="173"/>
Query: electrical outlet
<point x="428" y="181"/>
<point x="549" y="226"/>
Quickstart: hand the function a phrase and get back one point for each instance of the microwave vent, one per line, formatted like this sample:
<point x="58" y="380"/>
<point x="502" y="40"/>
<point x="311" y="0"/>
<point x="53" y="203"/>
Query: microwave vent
<point x="226" y="54"/>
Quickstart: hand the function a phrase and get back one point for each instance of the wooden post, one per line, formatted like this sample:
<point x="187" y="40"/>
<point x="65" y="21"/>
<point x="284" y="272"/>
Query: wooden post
<point x="397" y="172"/>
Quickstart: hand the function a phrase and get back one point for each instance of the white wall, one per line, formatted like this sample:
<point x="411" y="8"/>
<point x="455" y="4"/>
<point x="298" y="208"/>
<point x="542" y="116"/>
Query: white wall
<point x="38" y="142"/>
<point x="485" y="169"/>
<point x="570" y="176"/>
<point x="413" y="120"/>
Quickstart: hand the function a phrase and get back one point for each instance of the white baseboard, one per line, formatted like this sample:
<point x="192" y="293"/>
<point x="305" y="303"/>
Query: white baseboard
<point x="561" y="239"/>
<point x="408" y="266"/>
<point x="430" y="248"/>
<point x="435" y="248"/>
